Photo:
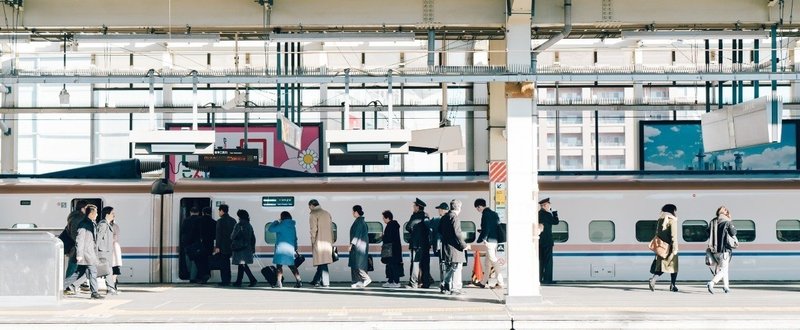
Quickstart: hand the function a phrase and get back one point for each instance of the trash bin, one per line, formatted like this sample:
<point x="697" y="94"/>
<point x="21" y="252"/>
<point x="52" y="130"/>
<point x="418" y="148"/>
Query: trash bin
<point x="31" y="268"/>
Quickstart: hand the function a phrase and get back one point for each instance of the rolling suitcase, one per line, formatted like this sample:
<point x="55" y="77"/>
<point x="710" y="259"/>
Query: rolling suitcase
<point x="270" y="274"/>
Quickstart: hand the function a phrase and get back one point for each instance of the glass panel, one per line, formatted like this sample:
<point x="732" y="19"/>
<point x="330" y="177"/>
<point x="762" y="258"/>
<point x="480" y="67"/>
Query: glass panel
<point x="468" y="231"/>
<point x="601" y="231"/>
<point x="561" y="232"/>
<point x="269" y="238"/>
<point x="788" y="230"/>
<point x="695" y="231"/>
<point x="645" y="230"/>
<point x="745" y="230"/>
<point x="375" y="232"/>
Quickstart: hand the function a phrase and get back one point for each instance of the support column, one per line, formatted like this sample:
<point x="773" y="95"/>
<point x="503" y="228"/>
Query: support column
<point x="8" y="143"/>
<point x="523" y="187"/>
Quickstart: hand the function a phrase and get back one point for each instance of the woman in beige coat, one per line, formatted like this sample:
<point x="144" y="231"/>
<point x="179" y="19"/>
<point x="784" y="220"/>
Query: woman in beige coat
<point x="667" y="230"/>
<point x="320" y="222"/>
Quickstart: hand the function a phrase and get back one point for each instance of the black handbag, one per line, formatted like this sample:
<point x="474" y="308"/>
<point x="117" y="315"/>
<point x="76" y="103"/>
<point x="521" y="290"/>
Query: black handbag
<point x="299" y="259"/>
<point x="386" y="250"/>
<point x="370" y="264"/>
<point x="335" y="254"/>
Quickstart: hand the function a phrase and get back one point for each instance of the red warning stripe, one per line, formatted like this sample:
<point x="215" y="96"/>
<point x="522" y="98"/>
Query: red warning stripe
<point x="498" y="171"/>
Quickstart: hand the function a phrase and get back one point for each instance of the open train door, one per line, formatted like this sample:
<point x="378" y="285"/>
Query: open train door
<point x="186" y="269"/>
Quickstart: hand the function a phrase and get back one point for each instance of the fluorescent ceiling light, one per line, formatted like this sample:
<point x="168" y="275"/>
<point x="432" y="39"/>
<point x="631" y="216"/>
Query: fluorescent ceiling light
<point x="186" y="44"/>
<point x="110" y="44"/>
<point x="695" y="34"/>
<point x="415" y="43"/>
<point x="140" y="38"/>
<point x="20" y="38"/>
<point x="342" y="36"/>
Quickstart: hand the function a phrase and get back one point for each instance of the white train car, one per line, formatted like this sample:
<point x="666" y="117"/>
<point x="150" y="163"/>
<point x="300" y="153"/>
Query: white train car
<point x="607" y="221"/>
<point x="43" y="205"/>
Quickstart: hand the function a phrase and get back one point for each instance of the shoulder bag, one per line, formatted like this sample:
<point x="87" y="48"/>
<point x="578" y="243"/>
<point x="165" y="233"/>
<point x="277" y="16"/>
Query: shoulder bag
<point x="658" y="246"/>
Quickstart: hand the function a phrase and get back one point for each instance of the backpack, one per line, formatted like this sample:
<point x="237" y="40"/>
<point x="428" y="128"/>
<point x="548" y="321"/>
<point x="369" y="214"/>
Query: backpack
<point x="66" y="239"/>
<point x="501" y="232"/>
<point x="730" y="241"/>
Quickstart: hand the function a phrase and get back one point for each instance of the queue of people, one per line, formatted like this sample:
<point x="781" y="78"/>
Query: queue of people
<point x="91" y="241"/>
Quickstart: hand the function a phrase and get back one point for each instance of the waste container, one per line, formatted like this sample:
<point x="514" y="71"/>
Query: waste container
<point x="31" y="268"/>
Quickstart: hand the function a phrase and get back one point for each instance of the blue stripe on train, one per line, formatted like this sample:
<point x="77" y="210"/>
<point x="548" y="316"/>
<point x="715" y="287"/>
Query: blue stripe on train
<point x="556" y="254"/>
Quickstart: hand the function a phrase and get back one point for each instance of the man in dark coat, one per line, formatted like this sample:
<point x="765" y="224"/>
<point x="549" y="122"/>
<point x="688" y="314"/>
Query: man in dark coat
<point x="436" y="241"/>
<point x="547" y="218"/>
<point x="73" y="221"/>
<point x="453" y="247"/>
<point x="419" y="245"/>
<point x="224" y="229"/>
<point x="205" y="229"/>
<point x="191" y="243"/>
<point x="489" y="236"/>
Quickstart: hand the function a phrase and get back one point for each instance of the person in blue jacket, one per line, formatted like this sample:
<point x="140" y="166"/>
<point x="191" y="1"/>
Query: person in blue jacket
<point x="285" y="247"/>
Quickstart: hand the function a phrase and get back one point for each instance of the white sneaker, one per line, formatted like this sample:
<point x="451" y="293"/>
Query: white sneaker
<point x="365" y="283"/>
<point x="357" y="285"/>
<point x="395" y="285"/>
<point x="386" y="285"/>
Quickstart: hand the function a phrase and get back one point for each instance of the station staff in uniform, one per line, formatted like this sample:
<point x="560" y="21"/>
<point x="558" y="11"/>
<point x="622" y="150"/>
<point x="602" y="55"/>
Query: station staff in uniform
<point x="547" y="218"/>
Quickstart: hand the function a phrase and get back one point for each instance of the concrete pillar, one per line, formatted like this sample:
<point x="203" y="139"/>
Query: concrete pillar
<point x="523" y="257"/>
<point x="497" y="104"/>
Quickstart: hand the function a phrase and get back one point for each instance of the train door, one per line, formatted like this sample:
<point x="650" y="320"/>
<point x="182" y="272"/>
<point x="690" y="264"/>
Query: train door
<point x="185" y="268"/>
<point x="94" y="201"/>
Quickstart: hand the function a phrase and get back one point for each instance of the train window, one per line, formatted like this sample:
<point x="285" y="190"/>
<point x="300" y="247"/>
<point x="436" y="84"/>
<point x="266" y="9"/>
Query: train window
<point x="468" y="231"/>
<point x="269" y="238"/>
<point x="375" y="232"/>
<point x="745" y="230"/>
<point x="561" y="232"/>
<point x="335" y="231"/>
<point x="645" y="230"/>
<point x="24" y="226"/>
<point x="695" y="231"/>
<point x="601" y="231"/>
<point x="788" y="230"/>
<point x="406" y="233"/>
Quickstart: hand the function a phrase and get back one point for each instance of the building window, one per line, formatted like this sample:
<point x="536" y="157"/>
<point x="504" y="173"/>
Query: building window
<point x="602" y="231"/>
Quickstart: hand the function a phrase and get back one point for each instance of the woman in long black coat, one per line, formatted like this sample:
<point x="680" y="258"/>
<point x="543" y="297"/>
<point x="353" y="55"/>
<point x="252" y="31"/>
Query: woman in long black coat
<point x="394" y="258"/>
<point x="243" y="244"/>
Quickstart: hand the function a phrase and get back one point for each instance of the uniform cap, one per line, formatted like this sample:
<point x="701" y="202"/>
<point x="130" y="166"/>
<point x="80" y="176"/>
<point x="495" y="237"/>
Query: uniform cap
<point x="420" y="202"/>
<point x="546" y="200"/>
<point x="443" y="206"/>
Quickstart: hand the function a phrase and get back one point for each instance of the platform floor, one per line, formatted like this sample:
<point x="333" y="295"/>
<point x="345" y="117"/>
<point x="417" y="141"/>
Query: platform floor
<point x="566" y="305"/>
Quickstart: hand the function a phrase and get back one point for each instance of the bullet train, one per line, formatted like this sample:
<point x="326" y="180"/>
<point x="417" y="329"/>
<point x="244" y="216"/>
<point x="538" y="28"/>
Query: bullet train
<point x="606" y="221"/>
